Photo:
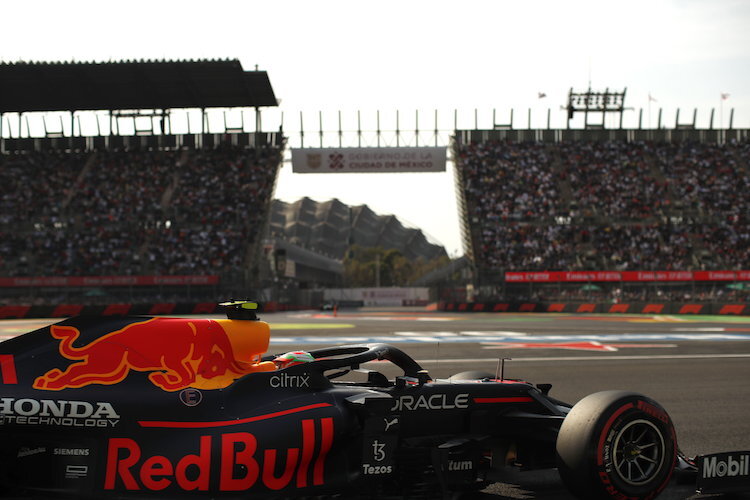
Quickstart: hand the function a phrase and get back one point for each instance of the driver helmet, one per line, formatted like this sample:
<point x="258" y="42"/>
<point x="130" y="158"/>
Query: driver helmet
<point x="292" y="358"/>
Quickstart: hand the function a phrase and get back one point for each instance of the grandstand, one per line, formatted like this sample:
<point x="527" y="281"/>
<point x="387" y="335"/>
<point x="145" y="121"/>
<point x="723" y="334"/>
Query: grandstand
<point x="575" y="215"/>
<point x="591" y="203"/>
<point x="153" y="216"/>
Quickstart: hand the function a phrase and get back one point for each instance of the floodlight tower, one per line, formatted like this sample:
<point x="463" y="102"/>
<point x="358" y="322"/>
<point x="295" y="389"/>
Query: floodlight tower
<point x="595" y="102"/>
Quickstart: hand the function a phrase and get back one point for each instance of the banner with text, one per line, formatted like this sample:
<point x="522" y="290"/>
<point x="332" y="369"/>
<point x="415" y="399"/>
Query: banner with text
<point x="641" y="276"/>
<point x="386" y="296"/>
<point x="344" y="160"/>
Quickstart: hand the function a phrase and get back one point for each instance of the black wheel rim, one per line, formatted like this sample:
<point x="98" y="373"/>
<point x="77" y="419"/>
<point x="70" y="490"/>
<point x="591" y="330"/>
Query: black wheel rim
<point x="639" y="452"/>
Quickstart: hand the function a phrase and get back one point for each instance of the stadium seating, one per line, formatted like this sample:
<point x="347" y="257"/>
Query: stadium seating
<point x="133" y="211"/>
<point x="610" y="205"/>
<point x="529" y="206"/>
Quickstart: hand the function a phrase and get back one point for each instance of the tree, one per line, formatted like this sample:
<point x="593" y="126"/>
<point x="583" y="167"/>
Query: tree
<point x="362" y="264"/>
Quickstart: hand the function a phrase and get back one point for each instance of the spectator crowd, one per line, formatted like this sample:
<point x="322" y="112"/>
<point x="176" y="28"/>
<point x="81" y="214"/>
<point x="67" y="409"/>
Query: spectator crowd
<point x="609" y="205"/>
<point x="132" y="212"/>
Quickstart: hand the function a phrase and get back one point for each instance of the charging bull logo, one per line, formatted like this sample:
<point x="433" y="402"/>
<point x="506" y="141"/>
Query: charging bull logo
<point x="178" y="353"/>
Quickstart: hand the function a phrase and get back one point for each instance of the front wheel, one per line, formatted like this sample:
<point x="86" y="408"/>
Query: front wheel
<point x="616" y="444"/>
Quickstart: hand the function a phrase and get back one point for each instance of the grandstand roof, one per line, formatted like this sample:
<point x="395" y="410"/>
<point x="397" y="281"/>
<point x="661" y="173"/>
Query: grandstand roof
<point x="43" y="86"/>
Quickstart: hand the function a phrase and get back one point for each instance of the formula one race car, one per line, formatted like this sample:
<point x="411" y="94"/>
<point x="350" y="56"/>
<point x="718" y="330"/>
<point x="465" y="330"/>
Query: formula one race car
<point x="173" y="407"/>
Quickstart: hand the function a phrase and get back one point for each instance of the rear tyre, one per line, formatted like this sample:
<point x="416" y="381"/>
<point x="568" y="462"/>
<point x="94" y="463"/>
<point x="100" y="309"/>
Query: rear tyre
<point x="616" y="444"/>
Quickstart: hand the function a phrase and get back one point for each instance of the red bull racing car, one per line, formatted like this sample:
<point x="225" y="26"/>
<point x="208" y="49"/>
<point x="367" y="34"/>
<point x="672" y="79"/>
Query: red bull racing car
<point x="142" y="407"/>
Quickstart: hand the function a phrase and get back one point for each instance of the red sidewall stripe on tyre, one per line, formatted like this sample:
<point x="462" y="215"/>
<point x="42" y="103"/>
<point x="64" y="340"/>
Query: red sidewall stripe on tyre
<point x="605" y="431"/>
<point x="674" y="460"/>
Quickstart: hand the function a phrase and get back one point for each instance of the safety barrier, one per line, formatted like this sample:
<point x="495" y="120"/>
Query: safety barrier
<point x="123" y="309"/>
<point x="708" y="308"/>
<point x="169" y="308"/>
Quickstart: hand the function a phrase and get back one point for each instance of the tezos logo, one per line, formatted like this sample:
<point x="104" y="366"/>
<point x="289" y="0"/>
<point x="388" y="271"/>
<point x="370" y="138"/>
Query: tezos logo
<point x="375" y="470"/>
<point x="378" y="451"/>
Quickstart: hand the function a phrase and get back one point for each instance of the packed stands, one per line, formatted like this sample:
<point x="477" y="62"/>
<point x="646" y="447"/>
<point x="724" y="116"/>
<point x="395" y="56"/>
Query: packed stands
<point x="569" y="205"/>
<point x="606" y="205"/>
<point x="112" y="216"/>
<point x="614" y="179"/>
<point x="140" y="212"/>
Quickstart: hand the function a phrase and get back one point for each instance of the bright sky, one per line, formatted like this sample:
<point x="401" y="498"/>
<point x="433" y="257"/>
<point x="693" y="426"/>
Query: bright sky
<point x="420" y="55"/>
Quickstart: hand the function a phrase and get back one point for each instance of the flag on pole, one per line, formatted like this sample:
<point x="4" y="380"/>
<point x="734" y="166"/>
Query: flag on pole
<point x="724" y="96"/>
<point x="542" y="95"/>
<point x="650" y="98"/>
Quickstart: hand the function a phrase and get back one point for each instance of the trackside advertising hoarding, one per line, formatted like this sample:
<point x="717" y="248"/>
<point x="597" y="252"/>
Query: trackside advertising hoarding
<point x="727" y="472"/>
<point x="64" y="281"/>
<point x="368" y="160"/>
<point x="384" y="296"/>
<point x="632" y="276"/>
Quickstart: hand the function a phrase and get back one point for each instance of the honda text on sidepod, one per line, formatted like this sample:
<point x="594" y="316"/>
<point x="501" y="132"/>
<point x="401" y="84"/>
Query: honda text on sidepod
<point x="174" y="407"/>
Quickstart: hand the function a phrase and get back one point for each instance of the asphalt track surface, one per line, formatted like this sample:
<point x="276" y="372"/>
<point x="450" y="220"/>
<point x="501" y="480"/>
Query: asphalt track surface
<point x="697" y="367"/>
